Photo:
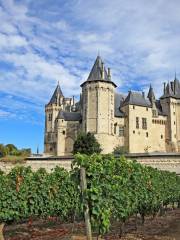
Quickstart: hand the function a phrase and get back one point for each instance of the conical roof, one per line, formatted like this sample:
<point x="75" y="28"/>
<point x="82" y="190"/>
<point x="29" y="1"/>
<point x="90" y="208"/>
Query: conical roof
<point x="172" y="89"/>
<point x="151" y="94"/>
<point x="57" y="93"/>
<point x="98" y="72"/>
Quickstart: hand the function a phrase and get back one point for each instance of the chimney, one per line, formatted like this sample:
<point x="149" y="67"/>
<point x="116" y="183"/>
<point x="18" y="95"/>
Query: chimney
<point x="73" y="100"/>
<point x="164" y="88"/>
<point x="102" y="71"/>
<point x="109" y="73"/>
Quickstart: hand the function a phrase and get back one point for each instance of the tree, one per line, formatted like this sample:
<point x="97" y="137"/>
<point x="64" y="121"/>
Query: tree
<point x="120" y="150"/>
<point x="86" y="143"/>
<point x="3" y="150"/>
<point x="12" y="149"/>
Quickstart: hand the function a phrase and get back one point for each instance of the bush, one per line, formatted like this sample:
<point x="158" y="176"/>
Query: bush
<point x="120" y="150"/>
<point x="86" y="143"/>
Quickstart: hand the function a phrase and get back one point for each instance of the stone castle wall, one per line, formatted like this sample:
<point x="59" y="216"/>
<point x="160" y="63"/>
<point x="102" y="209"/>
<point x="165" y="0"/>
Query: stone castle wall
<point x="169" y="162"/>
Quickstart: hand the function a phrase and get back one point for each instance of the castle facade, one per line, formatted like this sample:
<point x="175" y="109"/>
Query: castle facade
<point x="134" y="121"/>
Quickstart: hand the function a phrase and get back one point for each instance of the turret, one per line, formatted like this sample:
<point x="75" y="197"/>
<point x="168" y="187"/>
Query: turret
<point x="51" y="112"/>
<point x="152" y="99"/>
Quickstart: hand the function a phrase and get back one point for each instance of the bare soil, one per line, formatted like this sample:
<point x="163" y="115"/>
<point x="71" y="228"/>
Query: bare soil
<point x="165" y="227"/>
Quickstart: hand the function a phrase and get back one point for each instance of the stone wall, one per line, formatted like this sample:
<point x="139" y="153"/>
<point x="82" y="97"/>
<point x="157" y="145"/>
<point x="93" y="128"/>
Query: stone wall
<point x="36" y="164"/>
<point x="169" y="162"/>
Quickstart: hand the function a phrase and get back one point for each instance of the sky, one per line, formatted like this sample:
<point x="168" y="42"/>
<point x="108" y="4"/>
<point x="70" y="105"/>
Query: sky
<point x="44" y="41"/>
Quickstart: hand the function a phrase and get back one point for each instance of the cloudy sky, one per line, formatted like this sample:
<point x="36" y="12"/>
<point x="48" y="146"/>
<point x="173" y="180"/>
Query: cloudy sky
<point x="44" y="41"/>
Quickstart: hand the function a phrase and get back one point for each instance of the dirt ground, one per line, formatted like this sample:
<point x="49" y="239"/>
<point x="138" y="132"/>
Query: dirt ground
<point x="165" y="227"/>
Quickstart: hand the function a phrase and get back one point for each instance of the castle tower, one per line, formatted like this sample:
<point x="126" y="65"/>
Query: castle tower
<point x="98" y="103"/>
<point x="170" y="102"/>
<point x="51" y="112"/>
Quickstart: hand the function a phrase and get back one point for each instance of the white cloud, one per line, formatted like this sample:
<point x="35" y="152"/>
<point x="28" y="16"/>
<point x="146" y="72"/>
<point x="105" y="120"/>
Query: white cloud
<point x="46" y="42"/>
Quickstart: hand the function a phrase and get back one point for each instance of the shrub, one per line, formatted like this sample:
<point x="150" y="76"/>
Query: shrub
<point x="86" y="143"/>
<point x="120" y="150"/>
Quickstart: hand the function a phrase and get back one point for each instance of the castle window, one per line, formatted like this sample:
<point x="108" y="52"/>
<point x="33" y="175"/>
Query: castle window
<point x="154" y="113"/>
<point x="50" y="117"/>
<point x="133" y="107"/>
<point x="111" y="99"/>
<point x="121" y="131"/>
<point x="133" y="132"/>
<point x="115" y="125"/>
<point x="174" y="123"/>
<point x="161" y="136"/>
<point x="147" y="134"/>
<point x="144" y="123"/>
<point x="147" y="109"/>
<point x="111" y="113"/>
<point x="137" y="122"/>
<point x="64" y="132"/>
<point x="111" y="128"/>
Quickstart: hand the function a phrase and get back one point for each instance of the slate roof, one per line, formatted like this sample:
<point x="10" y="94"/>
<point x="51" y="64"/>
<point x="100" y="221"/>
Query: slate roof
<point x="172" y="89"/>
<point x="96" y="73"/>
<point x="151" y="94"/>
<point x="159" y="108"/>
<point x="57" y="92"/>
<point x="136" y="98"/>
<point x="69" y="116"/>
<point x="118" y="99"/>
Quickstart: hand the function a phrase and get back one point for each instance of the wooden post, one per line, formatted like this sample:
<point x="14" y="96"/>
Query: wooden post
<point x="1" y="231"/>
<point x="86" y="211"/>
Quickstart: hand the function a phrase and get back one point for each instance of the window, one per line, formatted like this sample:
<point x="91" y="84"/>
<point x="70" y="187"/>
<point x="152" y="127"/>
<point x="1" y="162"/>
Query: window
<point x="137" y="122"/>
<point x="111" y="99"/>
<point x="174" y="123"/>
<point x="115" y="128"/>
<point x="121" y="131"/>
<point x="63" y="132"/>
<point x="161" y="136"/>
<point x="50" y="117"/>
<point x="144" y="123"/>
<point x="133" y="107"/>
<point x="147" y="109"/>
<point x="133" y="132"/>
<point x="111" y="113"/>
<point x="154" y="113"/>
<point x="147" y="134"/>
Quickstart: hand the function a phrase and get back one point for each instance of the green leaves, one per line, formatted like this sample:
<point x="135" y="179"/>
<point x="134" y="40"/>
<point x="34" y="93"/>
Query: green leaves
<point x="118" y="188"/>
<point x="86" y="144"/>
<point x="25" y="194"/>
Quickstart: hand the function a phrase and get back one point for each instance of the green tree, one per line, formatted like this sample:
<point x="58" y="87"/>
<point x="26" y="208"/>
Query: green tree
<point x="86" y="143"/>
<point x="120" y="150"/>
<point x="11" y="148"/>
<point x="3" y="150"/>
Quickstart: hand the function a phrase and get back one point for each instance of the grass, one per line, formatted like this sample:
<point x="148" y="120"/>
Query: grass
<point x="13" y="159"/>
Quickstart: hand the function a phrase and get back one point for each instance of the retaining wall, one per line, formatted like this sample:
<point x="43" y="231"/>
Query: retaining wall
<point x="169" y="162"/>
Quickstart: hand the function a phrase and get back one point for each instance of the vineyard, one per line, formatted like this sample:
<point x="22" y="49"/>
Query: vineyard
<point x="117" y="190"/>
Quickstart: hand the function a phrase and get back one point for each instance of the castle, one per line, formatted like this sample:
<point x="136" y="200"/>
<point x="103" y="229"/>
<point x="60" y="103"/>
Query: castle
<point x="133" y="121"/>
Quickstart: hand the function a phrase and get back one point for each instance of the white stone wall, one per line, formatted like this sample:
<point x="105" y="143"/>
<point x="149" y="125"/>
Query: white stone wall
<point x="168" y="163"/>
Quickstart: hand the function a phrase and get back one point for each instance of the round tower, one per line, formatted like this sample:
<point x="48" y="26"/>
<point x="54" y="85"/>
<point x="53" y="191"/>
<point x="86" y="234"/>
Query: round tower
<point x="51" y="112"/>
<point x="98" y="102"/>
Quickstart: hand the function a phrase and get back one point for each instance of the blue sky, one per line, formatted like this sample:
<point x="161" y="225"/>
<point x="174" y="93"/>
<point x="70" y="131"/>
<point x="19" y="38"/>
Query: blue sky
<point x="44" y="41"/>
